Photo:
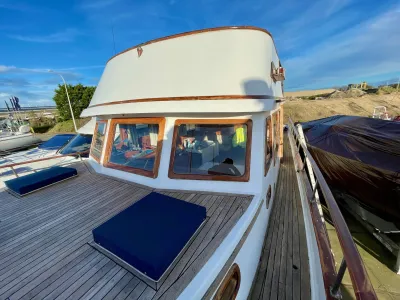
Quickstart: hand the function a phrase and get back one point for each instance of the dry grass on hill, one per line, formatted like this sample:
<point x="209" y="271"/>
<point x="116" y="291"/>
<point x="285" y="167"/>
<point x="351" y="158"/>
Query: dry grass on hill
<point x="307" y="110"/>
<point x="309" y="93"/>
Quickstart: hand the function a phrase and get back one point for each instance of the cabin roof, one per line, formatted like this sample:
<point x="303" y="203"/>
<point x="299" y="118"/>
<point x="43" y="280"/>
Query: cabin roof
<point x="174" y="36"/>
<point x="231" y="66"/>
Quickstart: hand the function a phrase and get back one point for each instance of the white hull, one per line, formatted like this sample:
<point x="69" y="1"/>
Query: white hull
<point x="17" y="141"/>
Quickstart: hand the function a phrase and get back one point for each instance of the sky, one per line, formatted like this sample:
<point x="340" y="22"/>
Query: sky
<point x="321" y="43"/>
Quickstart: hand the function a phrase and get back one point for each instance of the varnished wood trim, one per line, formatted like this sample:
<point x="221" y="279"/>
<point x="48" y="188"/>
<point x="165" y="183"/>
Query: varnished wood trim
<point x="245" y="177"/>
<point x="275" y="145"/>
<point x="268" y="128"/>
<point x="234" y="269"/>
<point x="190" y="98"/>
<point x="94" y="140"/>
<point x="174" y="36"/>
<point x="214" y="285"/>
<point x="161" y="125"/>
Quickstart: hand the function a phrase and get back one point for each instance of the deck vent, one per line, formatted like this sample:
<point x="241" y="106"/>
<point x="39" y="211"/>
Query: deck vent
<point x="150" y="236"/>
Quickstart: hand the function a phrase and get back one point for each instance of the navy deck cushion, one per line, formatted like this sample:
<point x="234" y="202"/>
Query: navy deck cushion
<point x="32" y="182"/>
<point x="151" y="233"/>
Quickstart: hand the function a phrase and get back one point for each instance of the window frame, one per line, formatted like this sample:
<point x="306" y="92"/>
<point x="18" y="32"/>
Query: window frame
<point x="244" y="178"/>
<point x="132" y="121"/>
<point x="94" y="139"/>
<point x="234" y="269"/>
<point x="268" y="128"/>
<point x="276" y="142"/>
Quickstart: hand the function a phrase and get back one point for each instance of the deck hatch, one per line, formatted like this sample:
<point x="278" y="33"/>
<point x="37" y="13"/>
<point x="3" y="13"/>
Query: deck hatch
<point x="150" y="235"/>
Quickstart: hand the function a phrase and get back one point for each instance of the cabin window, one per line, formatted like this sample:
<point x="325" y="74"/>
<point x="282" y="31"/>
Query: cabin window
<point x="98" y="140"/>
<point x="211" y="150"/>
<point x="268" y="145"/>
<point x="135" y="145"/>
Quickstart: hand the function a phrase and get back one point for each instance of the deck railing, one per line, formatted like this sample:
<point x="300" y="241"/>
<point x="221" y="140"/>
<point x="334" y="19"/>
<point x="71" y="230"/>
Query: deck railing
<point x="13" y="165"/>
<point x="313" y="180"/>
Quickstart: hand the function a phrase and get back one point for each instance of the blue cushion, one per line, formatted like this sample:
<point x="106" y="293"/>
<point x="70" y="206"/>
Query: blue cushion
<point x="151" y="233"/>
<point x="32" y="182"/>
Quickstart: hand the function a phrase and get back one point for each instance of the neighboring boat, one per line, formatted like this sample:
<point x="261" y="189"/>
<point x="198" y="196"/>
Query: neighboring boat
<point x="60" y="145"/>
<point x="360" y="158"/>
<point x="180" y="197"/>
<point x="11" y="140"/>
<point x="380" y="112"/>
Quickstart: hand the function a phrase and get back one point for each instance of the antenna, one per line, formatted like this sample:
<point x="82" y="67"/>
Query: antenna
<point x="112" y="28"/>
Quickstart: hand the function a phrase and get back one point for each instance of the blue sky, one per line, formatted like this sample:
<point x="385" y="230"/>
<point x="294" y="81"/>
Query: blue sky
<point x="322" y="43"/>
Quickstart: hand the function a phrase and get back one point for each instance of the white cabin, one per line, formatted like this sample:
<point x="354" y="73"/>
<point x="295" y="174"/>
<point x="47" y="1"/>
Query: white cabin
<point x="194" y="100"/>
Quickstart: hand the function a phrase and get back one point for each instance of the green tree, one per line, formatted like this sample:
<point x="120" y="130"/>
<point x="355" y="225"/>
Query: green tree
<point x="79" y="96"/>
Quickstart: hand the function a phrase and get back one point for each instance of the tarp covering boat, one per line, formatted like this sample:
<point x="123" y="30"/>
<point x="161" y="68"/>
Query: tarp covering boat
<point x="360" y="156"/>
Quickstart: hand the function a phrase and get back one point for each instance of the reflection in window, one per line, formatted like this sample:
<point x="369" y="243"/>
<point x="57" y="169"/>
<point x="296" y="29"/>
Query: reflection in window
<point x="79" y="143"/>
<point x="268" y="145"/>
<point x="210" y="149"/>
<point x="135" y="146"/>
<point x="98" y="141"/>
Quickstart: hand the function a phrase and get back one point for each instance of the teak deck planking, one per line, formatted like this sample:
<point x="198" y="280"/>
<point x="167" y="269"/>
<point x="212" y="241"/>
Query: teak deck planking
<point x="283" y="271"/>
<point x="44" y="250"/>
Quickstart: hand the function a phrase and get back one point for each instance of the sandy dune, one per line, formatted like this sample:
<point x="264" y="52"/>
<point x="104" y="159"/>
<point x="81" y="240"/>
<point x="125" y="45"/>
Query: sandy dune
<point x="308" y="93"/>
<point x="306" y="110"/>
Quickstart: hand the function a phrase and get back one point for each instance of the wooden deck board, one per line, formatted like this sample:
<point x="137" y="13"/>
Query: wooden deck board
<point x="44" y="236"/>
<point x="283" y="271"/>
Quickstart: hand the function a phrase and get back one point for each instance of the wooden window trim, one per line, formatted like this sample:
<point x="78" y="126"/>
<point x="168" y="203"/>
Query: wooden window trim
<point x="94" y="140"/>
<point x="161" y="125"/>
<point x="244" y="178"/>
<point x="275" y="144"/>
<point x="268" y="128"/>
<point x="234" y="269"/>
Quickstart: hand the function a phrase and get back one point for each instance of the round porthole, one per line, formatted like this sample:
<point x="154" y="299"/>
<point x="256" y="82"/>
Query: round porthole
<point x="229" y="287"/>
<point x="269" y="194"/>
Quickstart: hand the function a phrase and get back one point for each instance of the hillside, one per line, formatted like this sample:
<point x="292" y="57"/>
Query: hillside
<point x="68" y="126"/>
<point x="307" y="110"/>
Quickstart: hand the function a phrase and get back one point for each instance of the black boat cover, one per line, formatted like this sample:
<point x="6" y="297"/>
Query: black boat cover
<point x="360" y="156"/>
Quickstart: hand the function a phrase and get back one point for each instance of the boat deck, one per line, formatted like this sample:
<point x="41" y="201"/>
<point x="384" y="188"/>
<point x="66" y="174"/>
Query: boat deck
<point x="44" y="250"/>
<point x="283" y="271"/>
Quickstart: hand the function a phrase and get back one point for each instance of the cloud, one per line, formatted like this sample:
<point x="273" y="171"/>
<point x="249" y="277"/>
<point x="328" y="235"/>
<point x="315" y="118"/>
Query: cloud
<point x="22" y="7"/>
<point x="11" y="81"/>
<point x="90" y="4"/>
<point x="67" y="35"/>
<point x="29" y="98"/>
<point x="367" y="50"/>
<point x="66" y="72"/>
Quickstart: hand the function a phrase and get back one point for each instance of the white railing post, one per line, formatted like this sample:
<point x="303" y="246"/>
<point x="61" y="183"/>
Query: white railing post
<point x="310" y="171"/>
